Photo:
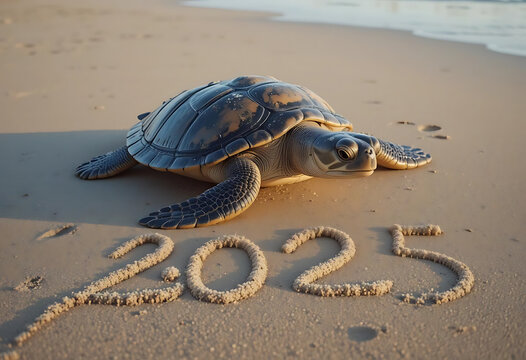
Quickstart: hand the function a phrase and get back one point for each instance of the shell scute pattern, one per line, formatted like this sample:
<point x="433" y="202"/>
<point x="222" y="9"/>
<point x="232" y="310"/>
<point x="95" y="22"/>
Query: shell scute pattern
<point x="134" y="135"/>
<point x="317" y="100"/>
<point x="281" y="122"/>
<point x="161" y="161"/>
<point x="227" y="118"/>
<point x="210" y="123"/>
<point x="248" y="81"/>
<point x="146" y="155"/>
<point x="208" y="96"/>
<point x="258" y="138"/>
<point x="280" y="96"/>
<point x="171" y="132"/>
<point x="159" y="117"/>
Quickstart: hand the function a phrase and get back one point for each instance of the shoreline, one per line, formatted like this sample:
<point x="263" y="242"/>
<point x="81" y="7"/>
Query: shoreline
<point x="473" y="34"/>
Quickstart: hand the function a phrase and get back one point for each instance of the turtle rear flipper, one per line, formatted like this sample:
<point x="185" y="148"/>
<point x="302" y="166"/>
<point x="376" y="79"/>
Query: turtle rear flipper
<point x="222" y="202"/>
<point x="106" y="165"/>
<point x="400" y="157"/>
<point x="143" y="115"/>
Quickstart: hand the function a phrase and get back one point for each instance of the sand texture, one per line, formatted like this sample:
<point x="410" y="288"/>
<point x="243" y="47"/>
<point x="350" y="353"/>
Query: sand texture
<point x="75" y="75"/>
<point x="92" y="294"/>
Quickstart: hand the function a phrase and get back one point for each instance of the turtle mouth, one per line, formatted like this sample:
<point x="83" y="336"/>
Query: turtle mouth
<point x="351" y="170"/>
<point x="351" y="173"/>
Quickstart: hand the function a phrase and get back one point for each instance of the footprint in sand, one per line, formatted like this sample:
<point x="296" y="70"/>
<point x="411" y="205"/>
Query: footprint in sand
<point x="442" y="137"/>
<point x="428" y="128"/>
<point x="432" y="128"/>
<point x="67" y="229"/>
<point x="29" y="283"/>
<point x="405" y="123"/>
<point x="362" y="333"/>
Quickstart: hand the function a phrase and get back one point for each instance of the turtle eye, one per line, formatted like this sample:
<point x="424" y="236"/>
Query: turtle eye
<point x="346" y="149"/>
<point x="345" y="155"/>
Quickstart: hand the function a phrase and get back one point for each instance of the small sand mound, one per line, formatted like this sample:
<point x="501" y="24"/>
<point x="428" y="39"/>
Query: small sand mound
<point x="170" y="273"/>
<point x="304" y="282"/>
<point x="66" y="229"/>
<point x="255" y="280"/>
<point x="465" y="276"/>
<point x="30" y="283"/>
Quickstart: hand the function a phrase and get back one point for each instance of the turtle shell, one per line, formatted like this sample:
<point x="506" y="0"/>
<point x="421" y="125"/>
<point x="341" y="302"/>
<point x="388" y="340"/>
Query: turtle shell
<point x="210" y="123"/>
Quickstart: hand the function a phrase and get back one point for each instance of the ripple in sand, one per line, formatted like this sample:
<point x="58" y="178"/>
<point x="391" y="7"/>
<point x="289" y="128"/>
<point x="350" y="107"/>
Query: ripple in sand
<point x="66" y="229"/>
<point x="464" y="275"/>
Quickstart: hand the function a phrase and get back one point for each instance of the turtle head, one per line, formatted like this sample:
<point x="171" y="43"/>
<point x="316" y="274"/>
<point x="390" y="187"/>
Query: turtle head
<point x="342" y="154"/>
<point x="337" y="154"/>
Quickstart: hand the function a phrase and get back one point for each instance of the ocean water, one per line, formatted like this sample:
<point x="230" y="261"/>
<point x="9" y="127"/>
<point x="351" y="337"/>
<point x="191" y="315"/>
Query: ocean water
<point x="499" y="25"/>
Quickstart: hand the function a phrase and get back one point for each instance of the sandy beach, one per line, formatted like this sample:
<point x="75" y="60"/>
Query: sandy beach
<point x="74" y="78"/>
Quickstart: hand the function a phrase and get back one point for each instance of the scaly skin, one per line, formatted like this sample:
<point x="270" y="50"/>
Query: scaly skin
<point x="106" y="165"/>
<point x="219" y="203"/>
<point x="400" y="157"/>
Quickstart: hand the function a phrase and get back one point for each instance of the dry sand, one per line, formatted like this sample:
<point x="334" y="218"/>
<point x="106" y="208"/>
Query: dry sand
<point x="75" y="75"/>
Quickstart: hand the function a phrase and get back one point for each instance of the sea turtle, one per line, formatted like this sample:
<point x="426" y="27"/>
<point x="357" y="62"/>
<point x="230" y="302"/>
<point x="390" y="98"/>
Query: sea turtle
<point x="242" y="134"/>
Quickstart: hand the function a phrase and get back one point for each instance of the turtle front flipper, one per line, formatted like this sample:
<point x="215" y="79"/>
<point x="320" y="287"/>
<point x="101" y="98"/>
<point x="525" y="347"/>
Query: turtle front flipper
<point x="400" y="157"/>
<point x="106" y="165"/>
<point x="222" y="202"/>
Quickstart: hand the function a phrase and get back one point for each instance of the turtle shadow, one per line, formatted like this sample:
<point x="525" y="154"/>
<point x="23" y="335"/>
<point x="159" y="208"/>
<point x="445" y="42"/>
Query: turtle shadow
<point x="38" y="181"/>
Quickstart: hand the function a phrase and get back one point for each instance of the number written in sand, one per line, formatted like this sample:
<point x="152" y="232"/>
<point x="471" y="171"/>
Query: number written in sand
<point x="255" y="280"/>
<point x="93" y="293"/>
<point x="465" y="278"/>
<point x="304" y="282"/>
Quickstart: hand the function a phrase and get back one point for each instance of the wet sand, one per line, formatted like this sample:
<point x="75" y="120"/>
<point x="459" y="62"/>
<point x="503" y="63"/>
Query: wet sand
<point x="74" y="78"/>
